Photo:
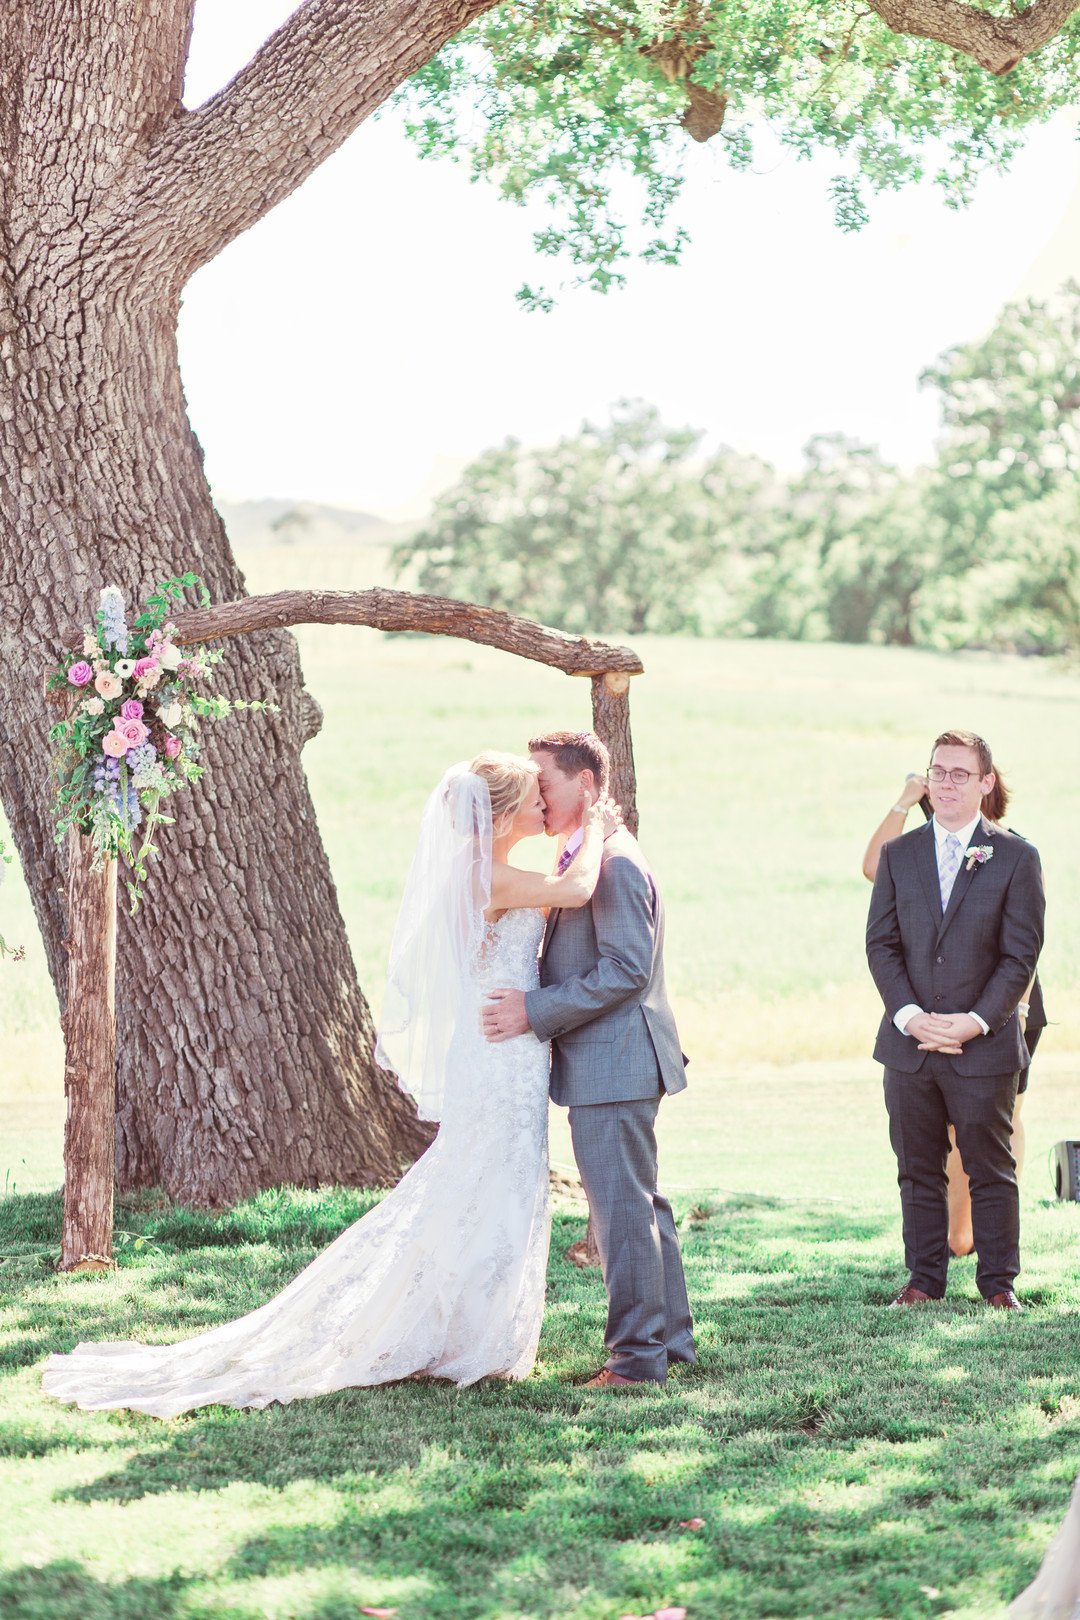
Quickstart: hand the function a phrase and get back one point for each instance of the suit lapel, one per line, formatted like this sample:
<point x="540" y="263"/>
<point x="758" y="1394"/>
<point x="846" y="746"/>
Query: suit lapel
<point x="964" y="878"/>
<point x="928" y="870"/>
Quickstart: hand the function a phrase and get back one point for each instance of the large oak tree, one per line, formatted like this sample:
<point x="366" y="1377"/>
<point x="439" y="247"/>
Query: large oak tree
<point x="245" y="1042"/>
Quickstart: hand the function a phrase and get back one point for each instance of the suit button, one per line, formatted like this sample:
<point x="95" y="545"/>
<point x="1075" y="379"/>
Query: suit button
<point x="939" y="960"/>
<point x="939" y="998"/>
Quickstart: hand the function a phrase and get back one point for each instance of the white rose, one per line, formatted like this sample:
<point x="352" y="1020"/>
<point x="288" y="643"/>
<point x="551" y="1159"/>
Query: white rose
<point x="170" y="714"/>
<point x="94" y="706"/>
<point x="170" y="656"/>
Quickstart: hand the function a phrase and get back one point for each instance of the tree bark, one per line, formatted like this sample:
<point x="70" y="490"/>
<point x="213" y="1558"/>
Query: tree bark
<point x="407" y="610"/>
<point x="996" y="42"/>
<point x="611" y="722"/>
<point x="90" y="1065"/>
<point x="246" y="1047"/>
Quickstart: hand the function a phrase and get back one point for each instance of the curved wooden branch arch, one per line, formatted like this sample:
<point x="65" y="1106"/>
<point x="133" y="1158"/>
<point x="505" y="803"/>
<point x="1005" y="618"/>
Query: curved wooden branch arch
<point x="90" y="1021"/>
<point x="609" y="667"/>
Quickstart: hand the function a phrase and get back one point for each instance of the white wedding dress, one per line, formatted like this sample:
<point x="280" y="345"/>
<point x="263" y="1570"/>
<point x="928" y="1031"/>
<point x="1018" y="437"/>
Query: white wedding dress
<point x="1054" y="1594"/>
<point x="445" y="1277"/>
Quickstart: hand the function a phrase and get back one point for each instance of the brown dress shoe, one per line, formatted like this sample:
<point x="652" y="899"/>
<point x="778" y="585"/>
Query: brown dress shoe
<point x="1005" y="1301"/>
<point x="606" y="1379"/>
<point x="910" y="1295"/>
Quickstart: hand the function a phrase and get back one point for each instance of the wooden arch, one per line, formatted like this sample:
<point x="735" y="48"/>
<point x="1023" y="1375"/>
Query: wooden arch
<point x="90" y="1020"/>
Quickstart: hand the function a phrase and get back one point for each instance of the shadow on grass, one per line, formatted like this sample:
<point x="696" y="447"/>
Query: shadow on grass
<point x="845" y="1459"/>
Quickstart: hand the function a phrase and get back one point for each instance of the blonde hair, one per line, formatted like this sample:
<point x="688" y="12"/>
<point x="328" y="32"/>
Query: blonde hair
<point x="510" y="779"/>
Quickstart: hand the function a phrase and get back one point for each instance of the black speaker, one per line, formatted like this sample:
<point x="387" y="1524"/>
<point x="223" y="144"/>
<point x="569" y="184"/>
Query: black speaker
<point x="1066" y="1170"/>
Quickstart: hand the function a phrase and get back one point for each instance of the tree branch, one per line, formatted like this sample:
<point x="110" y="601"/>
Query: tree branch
<point x="219" y="169"/>
<point x="402" y="610"/>
<point x="996" y="43"/>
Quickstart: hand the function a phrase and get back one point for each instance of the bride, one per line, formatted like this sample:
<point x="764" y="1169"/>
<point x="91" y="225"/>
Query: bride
<point x="444" y="1277"/>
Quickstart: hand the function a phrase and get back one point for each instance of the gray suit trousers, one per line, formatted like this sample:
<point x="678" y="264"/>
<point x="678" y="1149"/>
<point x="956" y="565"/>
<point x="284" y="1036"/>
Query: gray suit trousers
<point x="648" y="1321"/>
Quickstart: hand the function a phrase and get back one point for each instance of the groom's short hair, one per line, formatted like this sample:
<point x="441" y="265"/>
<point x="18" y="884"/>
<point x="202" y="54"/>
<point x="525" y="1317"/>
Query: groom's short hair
<point x="575" y="751"/>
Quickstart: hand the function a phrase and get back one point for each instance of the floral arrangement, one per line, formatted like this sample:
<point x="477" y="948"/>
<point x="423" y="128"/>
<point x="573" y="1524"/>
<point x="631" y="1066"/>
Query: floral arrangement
<point x="133" y="739"/>
<point x="978" y="854"/>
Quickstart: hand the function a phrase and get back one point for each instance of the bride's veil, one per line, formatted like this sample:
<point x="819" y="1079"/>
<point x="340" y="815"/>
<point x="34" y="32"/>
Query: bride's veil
<point x="437" y="941"/>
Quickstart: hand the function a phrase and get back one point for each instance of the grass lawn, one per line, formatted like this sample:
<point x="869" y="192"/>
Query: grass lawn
<point x="845" y="1460"/>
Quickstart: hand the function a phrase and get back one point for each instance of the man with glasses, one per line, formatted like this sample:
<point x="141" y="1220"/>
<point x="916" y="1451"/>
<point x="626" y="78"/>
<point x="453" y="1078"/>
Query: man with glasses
<point x="953" y="938"/>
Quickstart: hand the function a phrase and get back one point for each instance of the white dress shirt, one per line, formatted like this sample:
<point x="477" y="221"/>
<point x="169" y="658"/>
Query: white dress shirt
<point x="965" y="835"/>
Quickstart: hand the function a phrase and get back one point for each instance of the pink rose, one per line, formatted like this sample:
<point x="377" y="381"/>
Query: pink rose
<point x="114" y="744"/>
<point x="133" y="731"/>
<point x="132" y="710"/>
<point x="80" y="674"/>
<point x="143" y="668"/>
<point x="172" y="747"/>
<point x="108" y="685"/>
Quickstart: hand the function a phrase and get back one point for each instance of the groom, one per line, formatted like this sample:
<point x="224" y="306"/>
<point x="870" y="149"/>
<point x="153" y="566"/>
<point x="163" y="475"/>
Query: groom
<point x="615" y="1053"/>
<point x="953" y="937"/>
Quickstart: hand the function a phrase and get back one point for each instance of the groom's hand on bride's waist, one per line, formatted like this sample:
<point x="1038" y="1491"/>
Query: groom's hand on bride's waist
<point x="504" y="1016"/>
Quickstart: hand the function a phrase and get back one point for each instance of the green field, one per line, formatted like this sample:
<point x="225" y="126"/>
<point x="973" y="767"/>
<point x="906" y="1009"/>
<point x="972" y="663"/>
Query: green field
<point x="844" y="1461"/>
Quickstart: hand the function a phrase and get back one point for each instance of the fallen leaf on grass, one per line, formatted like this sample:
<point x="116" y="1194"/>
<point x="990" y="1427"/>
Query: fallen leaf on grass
<point x="691" y="1524"/>
<point x="929" y="1591"/>
<point x="380" y="1614"/>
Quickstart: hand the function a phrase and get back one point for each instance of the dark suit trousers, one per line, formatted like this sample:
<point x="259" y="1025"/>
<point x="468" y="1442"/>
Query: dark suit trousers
<point x="921" y="1107"/>
<point x="648" y="1321"/>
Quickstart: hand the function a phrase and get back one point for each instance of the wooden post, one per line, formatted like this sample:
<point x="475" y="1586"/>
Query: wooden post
<point x="611" y="722"/>
<point x="90" y="1063"/>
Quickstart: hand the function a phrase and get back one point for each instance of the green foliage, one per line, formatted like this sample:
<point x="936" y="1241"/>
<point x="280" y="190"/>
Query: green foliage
<point x="612" y="529"/>
<point x="630" y="527"/>
<point x="583" y="106"/>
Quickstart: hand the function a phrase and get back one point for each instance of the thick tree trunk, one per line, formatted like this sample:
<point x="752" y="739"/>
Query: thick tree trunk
<point x="246" y="1047"/>
<point x="90" y="1067"/>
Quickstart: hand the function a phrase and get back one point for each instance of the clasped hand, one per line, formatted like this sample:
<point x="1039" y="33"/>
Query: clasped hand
<point x="943" y="1032"/>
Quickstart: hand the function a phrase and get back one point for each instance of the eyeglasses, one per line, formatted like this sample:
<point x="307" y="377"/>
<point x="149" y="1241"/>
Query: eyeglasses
<point x="958" y="778"/>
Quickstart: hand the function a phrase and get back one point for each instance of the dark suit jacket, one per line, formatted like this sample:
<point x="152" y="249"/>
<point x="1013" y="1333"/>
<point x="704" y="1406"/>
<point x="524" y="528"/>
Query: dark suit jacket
<point x="979" y="957"/>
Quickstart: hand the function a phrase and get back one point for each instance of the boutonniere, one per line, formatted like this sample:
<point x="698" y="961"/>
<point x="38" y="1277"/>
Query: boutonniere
<point x="978" y="854"/>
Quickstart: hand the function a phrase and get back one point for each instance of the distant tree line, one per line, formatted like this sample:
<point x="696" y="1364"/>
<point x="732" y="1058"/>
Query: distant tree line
<point x="628" y="527"/>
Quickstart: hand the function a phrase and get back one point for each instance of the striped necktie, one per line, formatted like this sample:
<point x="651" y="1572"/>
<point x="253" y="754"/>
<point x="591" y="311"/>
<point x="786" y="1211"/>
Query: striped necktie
<point x="564" y="861"/>
<point x="948" y="866"/>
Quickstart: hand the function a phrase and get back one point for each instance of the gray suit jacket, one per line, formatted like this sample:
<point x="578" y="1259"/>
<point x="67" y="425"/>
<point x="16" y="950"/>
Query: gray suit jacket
<point x="977" y="957"/>
<point x="602" y="1001"/>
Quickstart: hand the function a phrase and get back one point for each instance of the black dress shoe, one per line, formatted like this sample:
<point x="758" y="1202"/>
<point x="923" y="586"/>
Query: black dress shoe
<point x="1005" y="1301"/>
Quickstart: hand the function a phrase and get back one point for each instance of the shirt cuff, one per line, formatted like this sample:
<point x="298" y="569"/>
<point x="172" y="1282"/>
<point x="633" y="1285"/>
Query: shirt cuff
<point x="905" y="1013"/>
<point x="983" y="1025"/>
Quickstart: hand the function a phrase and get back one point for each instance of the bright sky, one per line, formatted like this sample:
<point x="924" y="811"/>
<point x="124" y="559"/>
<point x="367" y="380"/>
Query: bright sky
<point x="362" y="344"/>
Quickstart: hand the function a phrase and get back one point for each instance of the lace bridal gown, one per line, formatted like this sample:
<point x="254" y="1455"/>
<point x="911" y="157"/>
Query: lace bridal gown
<point x="445" y="1277"/>
<point x="1054" y="1594"/>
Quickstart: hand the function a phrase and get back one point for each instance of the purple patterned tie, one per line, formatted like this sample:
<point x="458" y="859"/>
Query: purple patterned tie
<point x="564" y="861"/>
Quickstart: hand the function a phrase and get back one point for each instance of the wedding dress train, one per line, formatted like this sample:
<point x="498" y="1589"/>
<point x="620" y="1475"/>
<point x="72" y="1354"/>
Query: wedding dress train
<point x="444" y="1277"/>
<point x="1054" y="1594"/>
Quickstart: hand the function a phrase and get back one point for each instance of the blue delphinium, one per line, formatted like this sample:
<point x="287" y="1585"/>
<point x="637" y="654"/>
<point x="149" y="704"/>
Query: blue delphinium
<point x="143" y="766"/>
<point x="107" y="780"/>
<point x="113" y="620"/>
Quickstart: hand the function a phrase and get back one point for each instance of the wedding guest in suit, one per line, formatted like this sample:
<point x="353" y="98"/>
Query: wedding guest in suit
<point x="1032" y="1011"/>
<point x="953" y="936"/>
